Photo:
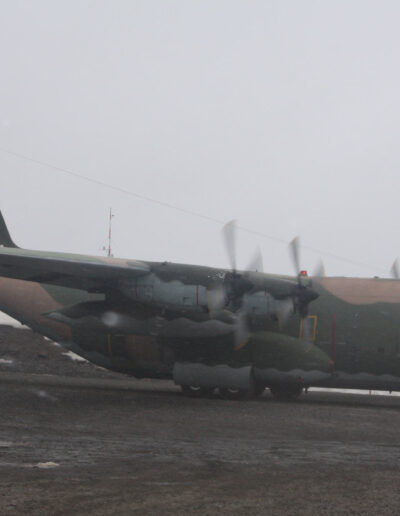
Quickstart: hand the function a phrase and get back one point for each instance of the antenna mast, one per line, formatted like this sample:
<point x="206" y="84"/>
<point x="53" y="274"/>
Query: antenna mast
<point x="109" y="253"/>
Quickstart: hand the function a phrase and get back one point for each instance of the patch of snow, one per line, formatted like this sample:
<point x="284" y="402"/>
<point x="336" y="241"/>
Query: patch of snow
<point x="9" y="321"/>
<point x="6" y="361"/>
<point x="47" y="465"/>
<point x="43" y="394"/>
<point x="56" y="344"/>
<point x="74" y="356"/>
<point x="356" y="391"/>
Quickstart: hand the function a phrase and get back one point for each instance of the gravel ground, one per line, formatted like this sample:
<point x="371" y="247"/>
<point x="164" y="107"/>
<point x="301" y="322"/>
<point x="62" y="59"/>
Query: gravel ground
<point x="23" y="351"/>
<point x="85" y="441"/>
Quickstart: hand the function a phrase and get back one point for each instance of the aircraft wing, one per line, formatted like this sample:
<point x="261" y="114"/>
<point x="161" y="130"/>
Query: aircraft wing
<point x="68" y="270"/>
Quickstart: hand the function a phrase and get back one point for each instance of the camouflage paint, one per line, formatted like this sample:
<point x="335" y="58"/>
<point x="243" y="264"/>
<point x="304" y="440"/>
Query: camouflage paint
<point x="355" y="321"/>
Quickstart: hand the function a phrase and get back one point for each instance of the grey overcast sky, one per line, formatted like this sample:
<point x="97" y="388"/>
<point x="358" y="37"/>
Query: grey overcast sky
<point x="282" y="114"/>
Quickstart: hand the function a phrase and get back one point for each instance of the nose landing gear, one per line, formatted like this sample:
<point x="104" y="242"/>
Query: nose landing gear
<point x="226" y="393"/>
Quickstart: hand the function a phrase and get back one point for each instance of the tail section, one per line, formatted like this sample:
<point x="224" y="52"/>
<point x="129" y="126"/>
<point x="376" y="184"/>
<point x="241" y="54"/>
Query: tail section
<point x="5" y="239"/>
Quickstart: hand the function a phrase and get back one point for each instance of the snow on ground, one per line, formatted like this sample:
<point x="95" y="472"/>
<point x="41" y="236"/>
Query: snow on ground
<point x="47" y="465"/>
<point x="356" y="391"/>
<point x="74" y="356"/>
<point x="44" y="394"/>
<point x="9" y="321"/>
<point x="6" y="361"/>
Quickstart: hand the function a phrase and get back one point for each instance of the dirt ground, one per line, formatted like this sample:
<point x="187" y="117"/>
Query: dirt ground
<point x="75" y="439"/>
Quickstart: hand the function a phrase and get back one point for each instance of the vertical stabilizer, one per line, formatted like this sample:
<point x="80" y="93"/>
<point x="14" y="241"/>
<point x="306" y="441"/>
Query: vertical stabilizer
<point x="5" y="239"/>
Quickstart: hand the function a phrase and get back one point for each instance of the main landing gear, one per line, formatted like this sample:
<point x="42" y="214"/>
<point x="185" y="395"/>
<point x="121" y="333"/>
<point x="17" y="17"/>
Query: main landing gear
<point x="199" y="380"/>
<point x="225" y="393"/>
<point x="195" y="391"/>
<point x="286" y="392"/>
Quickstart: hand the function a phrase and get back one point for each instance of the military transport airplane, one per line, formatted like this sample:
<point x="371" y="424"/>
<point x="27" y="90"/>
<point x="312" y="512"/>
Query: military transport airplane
<point x="209" y="328"/>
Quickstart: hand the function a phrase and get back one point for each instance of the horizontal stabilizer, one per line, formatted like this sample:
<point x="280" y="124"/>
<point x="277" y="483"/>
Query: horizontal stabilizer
<point x="5" y="239"/>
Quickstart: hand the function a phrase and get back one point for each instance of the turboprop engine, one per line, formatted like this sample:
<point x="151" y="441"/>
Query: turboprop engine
<point x="188" y="301"/>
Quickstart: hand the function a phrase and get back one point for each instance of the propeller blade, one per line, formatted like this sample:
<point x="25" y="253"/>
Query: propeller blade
<point x="229" y="237"/>
<point x="256" y="263"/>
<point x="241" y="330"/>
<point x="216" y="299"/>
<point x="294" y="251"/>
<point x="319" y="271"/>
<point x="285" y="310"/>
<point x="394" y="271"/>
<point x="307" y="330"/>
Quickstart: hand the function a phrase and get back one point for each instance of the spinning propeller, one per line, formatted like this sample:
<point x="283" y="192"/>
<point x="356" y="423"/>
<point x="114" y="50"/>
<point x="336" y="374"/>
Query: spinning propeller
<point x="302" y="293"/>
<point x="237" y="285"/>
<point x="229" y="295"/>
<point x="394" y="271"/>
<point x="319" y="270"/>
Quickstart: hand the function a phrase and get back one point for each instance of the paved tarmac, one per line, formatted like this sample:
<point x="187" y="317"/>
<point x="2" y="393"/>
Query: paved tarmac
<point x="103" y="446"/>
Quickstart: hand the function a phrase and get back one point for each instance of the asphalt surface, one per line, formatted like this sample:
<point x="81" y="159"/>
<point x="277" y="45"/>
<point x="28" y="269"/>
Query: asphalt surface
<point x="104" y="444"/>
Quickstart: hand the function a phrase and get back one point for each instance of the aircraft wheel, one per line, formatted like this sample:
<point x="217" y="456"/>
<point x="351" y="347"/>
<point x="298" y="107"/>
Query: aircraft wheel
<point x="238" y="394"/>
<point x="195" y="391"/>
<point x="232" y="394"/>
<point x="288" y="392"/>
<point x="241" y="394"/>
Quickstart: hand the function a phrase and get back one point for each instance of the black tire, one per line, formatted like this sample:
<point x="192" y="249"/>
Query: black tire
<point x="254" y="391"/>
<point x="240" y="394"/>
<point x="195" y="391"/>
<point x="227" y="393"/>
<point x="288" y="392"/>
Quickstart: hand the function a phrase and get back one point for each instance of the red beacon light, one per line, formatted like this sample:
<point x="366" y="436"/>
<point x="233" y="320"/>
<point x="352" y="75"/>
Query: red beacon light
<point x="303" y="273"/>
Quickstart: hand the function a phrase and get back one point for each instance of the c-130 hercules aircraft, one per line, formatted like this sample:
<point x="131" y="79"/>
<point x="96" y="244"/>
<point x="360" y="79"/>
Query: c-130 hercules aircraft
<point x="208" y="328"/>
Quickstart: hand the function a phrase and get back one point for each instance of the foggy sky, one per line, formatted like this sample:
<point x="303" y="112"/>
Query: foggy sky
<point x="282" y="114"/>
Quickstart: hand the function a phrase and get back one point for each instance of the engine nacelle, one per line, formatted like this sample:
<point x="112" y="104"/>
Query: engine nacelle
<point x="263" y="306"/>
<point x="150" y="289"/>
<point x="195" y="299"/>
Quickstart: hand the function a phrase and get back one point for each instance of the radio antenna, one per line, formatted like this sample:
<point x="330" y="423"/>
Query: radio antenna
<point x="109" y="250"/>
